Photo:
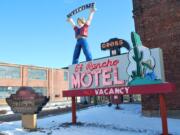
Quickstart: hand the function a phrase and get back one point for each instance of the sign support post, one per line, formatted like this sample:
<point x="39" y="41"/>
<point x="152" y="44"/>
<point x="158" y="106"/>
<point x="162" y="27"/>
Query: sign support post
<point x="29" y="121"/>
<point x="163" y="111"/>
<point x="73" y="110"/>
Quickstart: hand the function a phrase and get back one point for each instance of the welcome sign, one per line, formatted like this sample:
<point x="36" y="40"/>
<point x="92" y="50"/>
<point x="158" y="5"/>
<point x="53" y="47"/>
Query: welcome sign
<point x="81" y="8"/>
<point x="111" y="71"/>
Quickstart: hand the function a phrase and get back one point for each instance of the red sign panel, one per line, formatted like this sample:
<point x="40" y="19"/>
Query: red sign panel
<point x="122" y="90"/>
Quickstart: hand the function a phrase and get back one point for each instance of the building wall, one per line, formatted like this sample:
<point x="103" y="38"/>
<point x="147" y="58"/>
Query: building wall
<point x="50" y="82"/>
<point x="157" y="22"/>
<point x="57" y="84"/>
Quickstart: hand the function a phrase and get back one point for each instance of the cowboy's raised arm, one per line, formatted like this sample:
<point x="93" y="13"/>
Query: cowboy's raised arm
<point x="92" y="11"/>
<point x="71" y="21"/>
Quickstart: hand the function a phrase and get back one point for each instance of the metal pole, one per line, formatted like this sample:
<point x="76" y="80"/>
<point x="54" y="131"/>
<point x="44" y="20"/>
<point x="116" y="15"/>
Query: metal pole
<point x="163" y="111"/>
<point x="73" y="110"/>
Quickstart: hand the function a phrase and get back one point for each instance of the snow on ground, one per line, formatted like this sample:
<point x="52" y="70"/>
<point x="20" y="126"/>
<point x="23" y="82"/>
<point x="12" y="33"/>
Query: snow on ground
<point x="99" y="120"/>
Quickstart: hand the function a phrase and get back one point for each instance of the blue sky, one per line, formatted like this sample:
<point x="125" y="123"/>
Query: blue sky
<point x="35" y="32"/>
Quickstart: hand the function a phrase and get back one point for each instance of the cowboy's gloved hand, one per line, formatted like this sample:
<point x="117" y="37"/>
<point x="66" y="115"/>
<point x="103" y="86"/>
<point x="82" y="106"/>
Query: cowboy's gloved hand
<point x="92" y="10"/>
<point x="69" y="19"/>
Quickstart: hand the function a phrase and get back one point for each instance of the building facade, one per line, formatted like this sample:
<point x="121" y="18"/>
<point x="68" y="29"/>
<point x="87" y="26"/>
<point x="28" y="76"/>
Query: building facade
<point x="157" y="22"/>
<point x="46" y="81"/>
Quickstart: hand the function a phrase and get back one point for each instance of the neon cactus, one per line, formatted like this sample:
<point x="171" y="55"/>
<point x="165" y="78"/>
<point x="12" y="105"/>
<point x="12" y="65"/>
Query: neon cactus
<point x="141" y="67"/>
<point x="138" y="55"/>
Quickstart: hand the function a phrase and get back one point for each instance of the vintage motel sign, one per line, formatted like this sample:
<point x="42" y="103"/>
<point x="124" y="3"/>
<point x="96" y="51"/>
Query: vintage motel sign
<point x="140" y="71"/>
<point x="111" y="71"/>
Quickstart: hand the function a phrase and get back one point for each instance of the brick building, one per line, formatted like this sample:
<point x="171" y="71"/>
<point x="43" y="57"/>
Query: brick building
<point x="46" y="81"/>
<point x="158" y="23"/>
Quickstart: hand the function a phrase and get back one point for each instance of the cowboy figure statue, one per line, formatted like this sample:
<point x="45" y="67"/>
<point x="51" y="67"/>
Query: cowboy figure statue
<point x="81" y="34"/>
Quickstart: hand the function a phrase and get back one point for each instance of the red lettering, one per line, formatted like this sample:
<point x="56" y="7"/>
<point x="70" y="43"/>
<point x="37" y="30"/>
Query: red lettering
<point x="88" y="82"/>
<point x="76" y="80"/>
<point x="106" y="76"/>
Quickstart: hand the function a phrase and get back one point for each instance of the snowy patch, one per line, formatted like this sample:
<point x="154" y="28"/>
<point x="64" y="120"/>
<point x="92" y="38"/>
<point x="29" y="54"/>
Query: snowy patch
<point x="100" y="120"/>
